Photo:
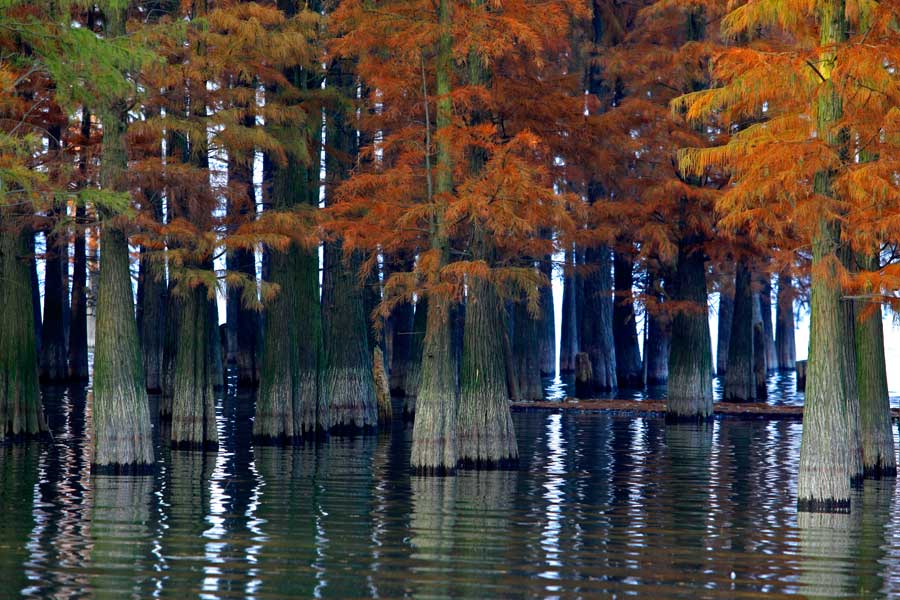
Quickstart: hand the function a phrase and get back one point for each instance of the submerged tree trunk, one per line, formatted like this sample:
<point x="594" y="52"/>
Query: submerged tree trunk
<point x="53" y="356"/>
<point x="690" y="361"/>
<point x="151" y="312"/>
<point x="21" y="414"/>
<point x="568" y="346"/>
<point x="876" y="434"/>
<point x="785" y="345"/>
<point x="629" y="370"/>
<point x="193" y="398"/>
<point x="596" y="334"/>
<point x="485" y="433"/>
<point x="740" y="385"/>
<point x="726" y="316"/>
<point x="122" y="436"/>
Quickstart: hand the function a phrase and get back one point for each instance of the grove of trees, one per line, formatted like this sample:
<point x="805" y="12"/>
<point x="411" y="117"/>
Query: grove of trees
<point x="408" y="176"/>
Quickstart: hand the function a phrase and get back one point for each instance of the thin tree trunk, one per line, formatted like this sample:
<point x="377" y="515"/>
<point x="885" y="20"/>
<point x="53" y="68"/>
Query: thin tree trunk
<point x="629" y="370"/>
<point x="35" y="292"/>
<point x="53" y="356"/>
<point x="417" y="345"/>
<point x="765" y="296"/>
<point x="401" y="332"/>
<point x="659" y="336"/>
<point x="547" y="322"/>
<point x="151" y="314"/>
<point x="740" y="385"/>
<point x="78" y="343"/>
<point x="524" y="332"/>
<point x="726" y="316"/>
<point x="568" y="346"/>
<point x="690" y="361"/>
<point x="785" y="344"/>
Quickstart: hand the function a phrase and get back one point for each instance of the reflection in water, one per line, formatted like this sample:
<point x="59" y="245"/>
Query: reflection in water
<point x="602" y="505"/>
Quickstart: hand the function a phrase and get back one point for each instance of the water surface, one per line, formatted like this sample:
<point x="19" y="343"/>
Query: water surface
<point x="601" y="506"/>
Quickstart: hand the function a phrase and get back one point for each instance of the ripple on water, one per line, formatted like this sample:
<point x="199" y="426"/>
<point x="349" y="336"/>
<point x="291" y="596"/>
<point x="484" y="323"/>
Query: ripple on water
<point x="601" y="505"/>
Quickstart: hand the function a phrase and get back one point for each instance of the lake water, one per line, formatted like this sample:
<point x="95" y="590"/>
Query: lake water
<point x="601" y="506"/>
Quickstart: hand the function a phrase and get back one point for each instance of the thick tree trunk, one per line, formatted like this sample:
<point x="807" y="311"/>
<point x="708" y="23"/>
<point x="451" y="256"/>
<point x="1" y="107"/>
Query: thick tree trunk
<point x="726" y="316"/>
<point x="596" y="334"/>
<point x="53" y="357"/>
<point x="348" y="398"/>
<point x="629" y="370"/>
<point x="690" y="361"/>
<point x="434" y="448"/>
<point x="122" y="437"/>
<point x="193" y="398"/>
<point x="21" y="414"/>
<point x="785" y="345"/>
<point x="876" y="434"/>
<point x="740" y="384"/>
<point x="568" y="346"/>
<point x="547" y="322"/>
<point x="485" y="433"/>
<point x="827" y="464"/>
<point x="524" y="331"/>
<point x="290" y="383"/>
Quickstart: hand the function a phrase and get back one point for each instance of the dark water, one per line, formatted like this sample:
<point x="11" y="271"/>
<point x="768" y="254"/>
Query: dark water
<point x="602" y="506"/>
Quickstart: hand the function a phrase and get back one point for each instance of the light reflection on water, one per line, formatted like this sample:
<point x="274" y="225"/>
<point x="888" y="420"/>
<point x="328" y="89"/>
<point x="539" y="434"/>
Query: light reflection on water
<point x="601" y="505"/>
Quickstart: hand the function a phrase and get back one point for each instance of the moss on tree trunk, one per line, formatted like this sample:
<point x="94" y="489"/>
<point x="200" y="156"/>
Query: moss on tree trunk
<point x="21" y="413"/>
<point x="690" y="361"/>
<point x="485" y="434"/>
<point x="193" y="397"/>
<point x="876" y="434"/>
<point x="122" y="437"/>
<point x="740" y="385"/>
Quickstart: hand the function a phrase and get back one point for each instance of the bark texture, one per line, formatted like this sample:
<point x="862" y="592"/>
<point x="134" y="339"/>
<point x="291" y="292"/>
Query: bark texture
<point x="21" y="413"/>
<point x="596" y="333"/>
<point x="690" y="361"/>
<point x="485" y="434"/>
<point x="193" y="398"/>
<point x="740" y="383"/>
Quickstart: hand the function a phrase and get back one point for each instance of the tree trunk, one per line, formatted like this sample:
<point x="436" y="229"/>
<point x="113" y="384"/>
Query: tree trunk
<point x="596" y="334"/>
<point x="740" y="384"/>
<point x="765" y="296"/>
<point x="241" y="322"/>
<point x="485" y="434"/>
<point x="785" y="346"/>
<point x="78" y="346"/>
<point x="193" y="398"/>
<point x="35" y="292"/>
<point x="547" y="322"/>
<point x="629" y="370"/>
<point x="417" y="345"/>
<point x="876" y="434"/>
<point x="53" y="357"/>
<point x="122" y="436"/>
<point x="151" y="313"/>
<point x="568" y="346"/>
<point x="524" y="331"/>
<point x="21" y="414"/>
<point x="400" y="326"/>
<point x="690" y="361"/>
<point x="726" y="316"/>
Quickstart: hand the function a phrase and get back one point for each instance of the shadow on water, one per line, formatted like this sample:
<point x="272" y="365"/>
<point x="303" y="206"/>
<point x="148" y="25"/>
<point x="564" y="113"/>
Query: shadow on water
<point x="602" y="505"/>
